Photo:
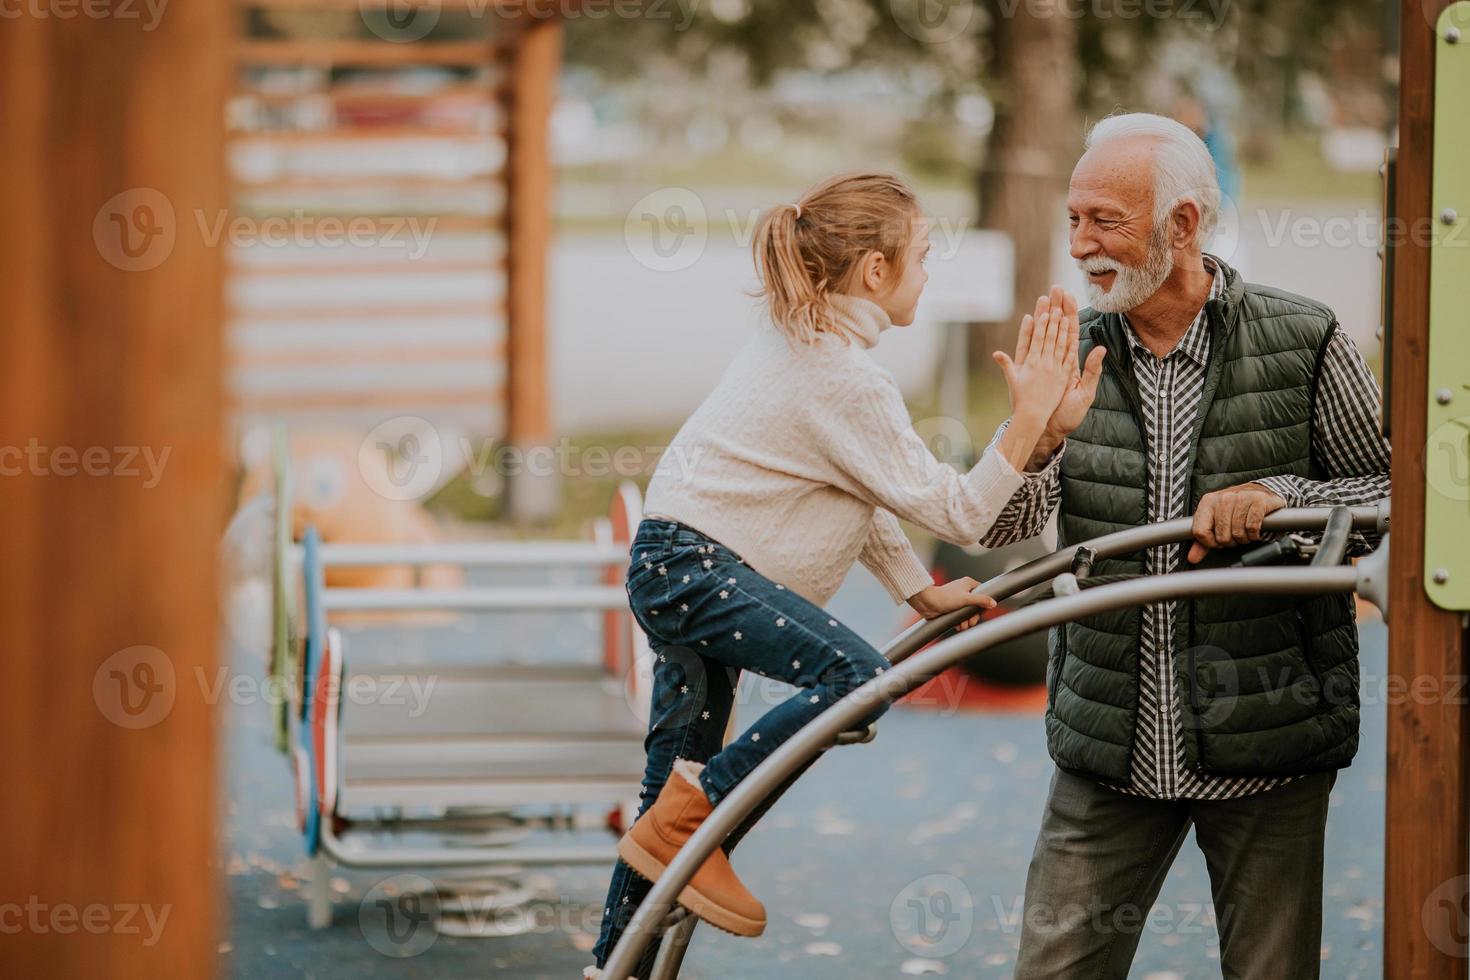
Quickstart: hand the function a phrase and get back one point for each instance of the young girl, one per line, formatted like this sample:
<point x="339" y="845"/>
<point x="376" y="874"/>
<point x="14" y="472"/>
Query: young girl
<point x="800" y="462"/>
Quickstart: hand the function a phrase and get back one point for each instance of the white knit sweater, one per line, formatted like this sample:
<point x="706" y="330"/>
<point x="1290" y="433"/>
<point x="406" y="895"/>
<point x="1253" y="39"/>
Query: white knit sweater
<point x="802" y="455"/>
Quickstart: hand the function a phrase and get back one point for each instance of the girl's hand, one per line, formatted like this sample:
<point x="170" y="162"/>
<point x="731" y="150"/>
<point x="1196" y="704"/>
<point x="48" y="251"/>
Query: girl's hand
<point x="1045" y="365"/>
<point x="936" y="600"/>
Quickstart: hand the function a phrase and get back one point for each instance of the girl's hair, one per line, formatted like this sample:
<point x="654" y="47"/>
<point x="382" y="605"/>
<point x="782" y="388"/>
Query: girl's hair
<point x="806" y="251"/>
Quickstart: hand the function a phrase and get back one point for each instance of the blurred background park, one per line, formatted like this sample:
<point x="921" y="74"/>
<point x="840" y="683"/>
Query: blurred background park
<point x="670" y="126"/>
<point x="484" y="259"/>
<point x="448" y="275"/>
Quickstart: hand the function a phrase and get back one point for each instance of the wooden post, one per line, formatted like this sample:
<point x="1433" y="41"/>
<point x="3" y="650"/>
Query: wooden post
<point x="1427" y="850"/>
<point x="535" y="65"/>
<point x="111" y="138"/>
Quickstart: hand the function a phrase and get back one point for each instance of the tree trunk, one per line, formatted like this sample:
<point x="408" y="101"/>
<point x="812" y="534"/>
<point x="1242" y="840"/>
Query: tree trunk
<point x="1032" y="149"/>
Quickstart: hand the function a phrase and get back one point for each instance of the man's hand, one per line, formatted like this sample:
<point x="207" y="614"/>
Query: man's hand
<point x="1231" y="517"/>
<point x="936" y="600"/>
<point x="1079" y="393"/>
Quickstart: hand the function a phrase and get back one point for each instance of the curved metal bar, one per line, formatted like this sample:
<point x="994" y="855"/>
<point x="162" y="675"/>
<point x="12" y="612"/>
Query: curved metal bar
<point x="1077" y="559"/>
<point x="1334" y="537"/>
<point x="812" y="739"/>
<point x="1371" y="517"/>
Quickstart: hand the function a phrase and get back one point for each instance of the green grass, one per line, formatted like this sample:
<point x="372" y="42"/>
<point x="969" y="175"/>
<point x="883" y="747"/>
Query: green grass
<point x="587" y="488"/>
<point x="1296" y="170"/>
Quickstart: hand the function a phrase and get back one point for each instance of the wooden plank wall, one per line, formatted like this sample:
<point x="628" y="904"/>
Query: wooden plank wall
<point x="402" y="138"/>
<point x="110" y="358"/>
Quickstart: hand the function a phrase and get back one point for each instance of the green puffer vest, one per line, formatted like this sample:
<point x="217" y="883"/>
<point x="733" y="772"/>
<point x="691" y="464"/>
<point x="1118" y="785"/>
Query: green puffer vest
<point x="1266" y="684"/>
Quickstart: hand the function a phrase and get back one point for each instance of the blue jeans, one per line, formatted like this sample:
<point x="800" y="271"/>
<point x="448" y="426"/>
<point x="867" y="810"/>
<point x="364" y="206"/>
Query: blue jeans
<point x="708" y="616"/>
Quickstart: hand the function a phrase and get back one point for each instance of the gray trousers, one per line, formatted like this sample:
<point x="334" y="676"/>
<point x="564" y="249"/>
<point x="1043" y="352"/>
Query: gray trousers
<point x="1102" y="856"/>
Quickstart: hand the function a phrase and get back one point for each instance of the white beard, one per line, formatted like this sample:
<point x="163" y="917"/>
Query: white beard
<point x="1132" y="284"/>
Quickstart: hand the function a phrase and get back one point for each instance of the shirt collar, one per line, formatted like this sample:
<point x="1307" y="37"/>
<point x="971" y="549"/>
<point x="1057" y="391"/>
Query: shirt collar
<point x="1195" y="343"/>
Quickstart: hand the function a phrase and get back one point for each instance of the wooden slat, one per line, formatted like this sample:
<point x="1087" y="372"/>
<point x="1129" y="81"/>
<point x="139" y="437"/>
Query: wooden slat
<point x="421" y="311"/>
<point x="337" y="356"/>
<point x="368" y="53"/>
<point x="305" y="183"/>
<point x="100" y="817"/>
<point x="473" y="6"/>
<point x="396" y="398"/>
<point x="1427" y="848"/>
<point x="296" y="139"/>
<point x="352" y="91"/>
<point x="380" y="226"/>
<point x="241" y="270"/>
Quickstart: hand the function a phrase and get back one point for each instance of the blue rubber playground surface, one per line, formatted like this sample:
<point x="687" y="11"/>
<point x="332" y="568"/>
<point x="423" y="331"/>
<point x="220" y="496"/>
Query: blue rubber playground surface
<point x="903" y="857"/>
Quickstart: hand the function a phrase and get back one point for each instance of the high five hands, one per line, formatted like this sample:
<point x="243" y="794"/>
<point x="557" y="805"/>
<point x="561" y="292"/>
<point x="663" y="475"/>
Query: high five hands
<point x="1044" y="378"/>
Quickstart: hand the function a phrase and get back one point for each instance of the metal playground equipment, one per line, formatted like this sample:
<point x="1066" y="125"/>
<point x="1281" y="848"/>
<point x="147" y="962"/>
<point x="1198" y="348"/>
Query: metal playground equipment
<point x="1060" y="592"/>
<point x="493" y="770"/>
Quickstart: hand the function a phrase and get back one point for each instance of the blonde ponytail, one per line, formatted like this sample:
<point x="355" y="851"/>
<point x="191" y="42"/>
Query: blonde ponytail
<point x="806" y="251"/>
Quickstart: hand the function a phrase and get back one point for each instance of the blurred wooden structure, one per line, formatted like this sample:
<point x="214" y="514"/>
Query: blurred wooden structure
<point x="111" y="141"/>
<point x="426" y="127"/>
<point x="1427" y="850"/>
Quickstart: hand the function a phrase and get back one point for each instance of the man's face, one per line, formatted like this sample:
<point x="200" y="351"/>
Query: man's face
<point x="1110" y="204"/>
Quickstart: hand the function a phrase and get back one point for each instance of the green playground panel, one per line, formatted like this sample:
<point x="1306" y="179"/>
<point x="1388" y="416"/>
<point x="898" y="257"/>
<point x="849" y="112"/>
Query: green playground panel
<point x="283" y="647"/>
<point x="1447" y="450"/>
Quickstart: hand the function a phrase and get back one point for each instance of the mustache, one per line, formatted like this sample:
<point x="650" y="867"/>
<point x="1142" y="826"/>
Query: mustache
<point x="1099" y="264"/>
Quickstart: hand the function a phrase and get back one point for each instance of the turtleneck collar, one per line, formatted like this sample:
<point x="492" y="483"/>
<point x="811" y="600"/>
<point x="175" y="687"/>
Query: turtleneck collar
<point x="862" y="318"/>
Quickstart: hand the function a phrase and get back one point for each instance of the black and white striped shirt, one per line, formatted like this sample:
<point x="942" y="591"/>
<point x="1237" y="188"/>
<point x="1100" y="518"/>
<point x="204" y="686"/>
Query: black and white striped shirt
<point x="1355" y="455"/>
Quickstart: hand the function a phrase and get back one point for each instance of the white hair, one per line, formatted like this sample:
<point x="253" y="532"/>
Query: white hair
<point x="1183" y="168"/>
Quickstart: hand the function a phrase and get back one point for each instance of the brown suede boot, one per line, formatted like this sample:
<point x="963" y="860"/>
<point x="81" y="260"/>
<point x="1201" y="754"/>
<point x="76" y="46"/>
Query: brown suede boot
<point x="714" y="894"/>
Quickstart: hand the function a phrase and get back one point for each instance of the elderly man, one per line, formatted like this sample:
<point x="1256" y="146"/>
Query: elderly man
<point x="1226" y="400"/>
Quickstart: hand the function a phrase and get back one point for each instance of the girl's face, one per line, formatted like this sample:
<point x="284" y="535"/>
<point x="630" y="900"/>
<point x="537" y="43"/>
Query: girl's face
<point x="897" y="293"/>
